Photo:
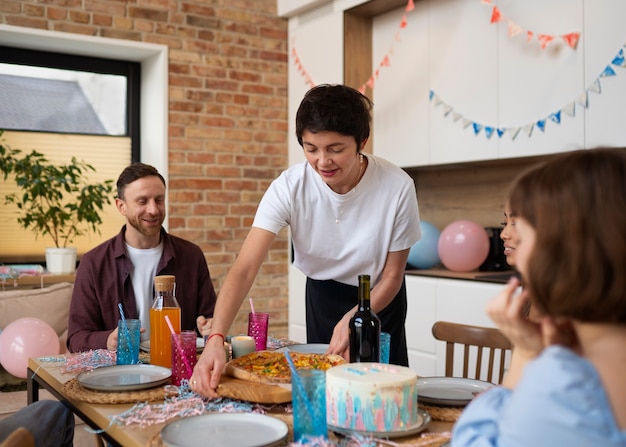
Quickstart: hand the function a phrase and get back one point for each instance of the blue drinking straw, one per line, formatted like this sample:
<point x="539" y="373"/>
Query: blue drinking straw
<point x="295" y="379"/>
<point x="124" y="325"/>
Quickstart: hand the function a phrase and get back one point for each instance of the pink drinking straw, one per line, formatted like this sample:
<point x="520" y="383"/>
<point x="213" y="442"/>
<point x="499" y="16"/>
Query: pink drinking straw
<point x="251" y="306"/>
<point x="178" y="346"/>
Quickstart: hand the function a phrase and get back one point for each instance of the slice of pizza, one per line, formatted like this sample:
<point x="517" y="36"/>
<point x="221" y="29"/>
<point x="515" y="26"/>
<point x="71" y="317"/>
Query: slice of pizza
<point x="272" y="367"/>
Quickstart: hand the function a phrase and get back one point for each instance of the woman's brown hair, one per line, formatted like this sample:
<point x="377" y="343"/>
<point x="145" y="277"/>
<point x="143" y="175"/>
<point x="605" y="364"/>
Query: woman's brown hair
<point x="576" y="203"/>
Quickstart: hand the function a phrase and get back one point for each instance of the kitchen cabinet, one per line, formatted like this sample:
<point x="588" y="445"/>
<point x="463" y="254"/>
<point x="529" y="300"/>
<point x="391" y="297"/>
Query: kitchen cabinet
<point x="481" y="75"/>
<point x="434" y="299"/>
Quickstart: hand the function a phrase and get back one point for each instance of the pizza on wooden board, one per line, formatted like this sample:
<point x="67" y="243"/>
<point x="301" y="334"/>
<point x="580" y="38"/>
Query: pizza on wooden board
<point x="272" y="366"/>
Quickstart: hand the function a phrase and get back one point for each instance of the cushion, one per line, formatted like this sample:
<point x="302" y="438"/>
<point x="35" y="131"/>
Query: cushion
<point x="50" y="304"/>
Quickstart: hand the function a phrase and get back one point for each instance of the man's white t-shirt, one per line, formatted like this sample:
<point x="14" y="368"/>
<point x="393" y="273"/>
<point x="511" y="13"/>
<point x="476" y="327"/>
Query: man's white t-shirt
<point x="145" y="263"/>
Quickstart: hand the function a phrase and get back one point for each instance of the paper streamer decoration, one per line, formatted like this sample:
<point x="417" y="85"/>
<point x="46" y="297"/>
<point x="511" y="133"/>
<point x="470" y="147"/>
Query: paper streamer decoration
<point x="571" y="39"/>
<point x="385" y="62"/>
<point x="568" y="109"/>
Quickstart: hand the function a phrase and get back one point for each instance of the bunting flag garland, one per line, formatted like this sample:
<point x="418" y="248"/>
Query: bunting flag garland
<point x="555" y="117"/>
<point x="303" y="71"/>
<point x="385" y="62"/>
<point x="571" y="39"/>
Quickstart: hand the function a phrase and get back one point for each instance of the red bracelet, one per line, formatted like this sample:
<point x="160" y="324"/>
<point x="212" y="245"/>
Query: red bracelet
<point x="213" y="335"/>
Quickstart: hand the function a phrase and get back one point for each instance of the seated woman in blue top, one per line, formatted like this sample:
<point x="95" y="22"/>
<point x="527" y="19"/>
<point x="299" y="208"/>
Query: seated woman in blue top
<point x="565" y="386"/>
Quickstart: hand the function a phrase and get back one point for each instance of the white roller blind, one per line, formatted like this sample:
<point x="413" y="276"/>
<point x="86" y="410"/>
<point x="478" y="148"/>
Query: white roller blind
<point x="108" y="155"/>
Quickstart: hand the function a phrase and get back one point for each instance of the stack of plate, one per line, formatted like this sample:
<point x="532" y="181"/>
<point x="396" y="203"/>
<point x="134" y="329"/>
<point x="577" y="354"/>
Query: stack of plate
<point x="449" y="391"/>
<point x="124" y="377"/>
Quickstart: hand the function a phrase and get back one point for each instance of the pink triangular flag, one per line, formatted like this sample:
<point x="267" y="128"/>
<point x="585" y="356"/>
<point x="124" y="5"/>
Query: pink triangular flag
<point x="486" y="2"/>
<point x="410" y="6"/>
<point x="529" y="36"/>
<point x="370" y="82"/>
<point x="496" y="16"/>
<point x="385" y="62"/>
<point x="403" y="22"/>
<point x="514" y="29"/>
<point x="571" y="39"/>
<point x="544" y="40"/>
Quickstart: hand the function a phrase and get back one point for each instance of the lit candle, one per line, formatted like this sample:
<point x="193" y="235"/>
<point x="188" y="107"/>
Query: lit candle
<point x="242" y="345"/>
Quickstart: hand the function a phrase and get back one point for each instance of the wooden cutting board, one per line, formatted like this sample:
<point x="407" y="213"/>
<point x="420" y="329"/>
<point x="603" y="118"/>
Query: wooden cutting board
<point x="262" y="393"/>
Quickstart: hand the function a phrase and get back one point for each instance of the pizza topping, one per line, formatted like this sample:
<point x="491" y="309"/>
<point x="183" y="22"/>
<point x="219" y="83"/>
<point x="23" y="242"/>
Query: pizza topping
<point x="272" y="367"/>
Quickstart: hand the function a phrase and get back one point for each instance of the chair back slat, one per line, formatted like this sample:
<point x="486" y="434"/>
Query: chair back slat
<point x="482" y="338"/>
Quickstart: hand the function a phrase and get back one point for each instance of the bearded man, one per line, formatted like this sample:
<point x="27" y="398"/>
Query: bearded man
<point x="122" y="269"/>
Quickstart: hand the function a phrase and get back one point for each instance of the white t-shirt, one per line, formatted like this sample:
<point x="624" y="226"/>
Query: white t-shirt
<point x="340" y="236"/>
<point x="145" y="263"/>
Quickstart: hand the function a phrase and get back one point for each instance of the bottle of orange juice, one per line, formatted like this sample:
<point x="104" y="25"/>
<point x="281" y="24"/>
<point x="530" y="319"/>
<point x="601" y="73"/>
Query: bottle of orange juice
<point x="160" y="334"/>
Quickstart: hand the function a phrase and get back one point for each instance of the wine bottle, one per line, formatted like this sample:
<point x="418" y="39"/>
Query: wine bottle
<point x="364" y="327"/>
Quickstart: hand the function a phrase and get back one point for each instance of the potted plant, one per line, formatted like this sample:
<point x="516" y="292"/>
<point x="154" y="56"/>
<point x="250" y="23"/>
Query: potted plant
<point x="54" y="200"/>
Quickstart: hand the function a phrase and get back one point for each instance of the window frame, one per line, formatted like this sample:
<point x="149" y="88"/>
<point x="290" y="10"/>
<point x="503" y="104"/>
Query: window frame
<point x="129" y="69"/>
<point x="154" y="84"/>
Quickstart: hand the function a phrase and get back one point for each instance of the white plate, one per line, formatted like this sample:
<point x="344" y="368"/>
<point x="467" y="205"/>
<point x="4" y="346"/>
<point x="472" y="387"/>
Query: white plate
<point x="124" y="377"/>
<point x="423" y="419"/>
<point x="231" y="429"/>
<point x="309" y="348"/>
<point x="449" y="390"/>
<point x="145" y="345"/>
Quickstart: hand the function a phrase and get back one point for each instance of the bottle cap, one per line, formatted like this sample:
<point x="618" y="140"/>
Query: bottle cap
<point x="164" y="283"/>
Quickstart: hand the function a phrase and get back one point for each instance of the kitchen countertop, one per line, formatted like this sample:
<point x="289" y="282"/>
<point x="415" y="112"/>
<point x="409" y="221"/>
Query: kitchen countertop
<point x="494" y="277"/>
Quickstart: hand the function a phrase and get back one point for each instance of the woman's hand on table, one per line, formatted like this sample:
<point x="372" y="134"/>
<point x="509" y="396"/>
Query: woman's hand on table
<point x="208" y="370"/>
<point x="340" y="341"/>
<point x="204" y="325"/>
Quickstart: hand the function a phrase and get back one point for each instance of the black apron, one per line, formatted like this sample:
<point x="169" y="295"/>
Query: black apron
<point x="328" y="301"/>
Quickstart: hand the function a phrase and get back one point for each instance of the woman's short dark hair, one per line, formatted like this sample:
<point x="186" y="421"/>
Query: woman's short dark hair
<point x="134" y="172"/>
<point x="334" y="108"/>
<point x="576" y="203"/>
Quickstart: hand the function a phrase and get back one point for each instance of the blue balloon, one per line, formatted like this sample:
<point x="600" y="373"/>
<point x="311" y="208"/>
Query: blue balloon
<point x="424" y="254"/>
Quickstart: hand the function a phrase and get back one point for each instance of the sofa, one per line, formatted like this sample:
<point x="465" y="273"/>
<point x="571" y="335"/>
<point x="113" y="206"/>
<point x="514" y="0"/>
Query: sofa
<point x="50" y="304"/>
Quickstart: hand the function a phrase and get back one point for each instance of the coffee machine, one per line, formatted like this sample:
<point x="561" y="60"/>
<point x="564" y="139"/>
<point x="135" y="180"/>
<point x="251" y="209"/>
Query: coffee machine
<point x="496" y="261"/>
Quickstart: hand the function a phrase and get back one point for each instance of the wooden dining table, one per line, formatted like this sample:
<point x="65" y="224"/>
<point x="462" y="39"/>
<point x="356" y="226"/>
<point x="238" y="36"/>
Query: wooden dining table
<point x="48" y="373"/>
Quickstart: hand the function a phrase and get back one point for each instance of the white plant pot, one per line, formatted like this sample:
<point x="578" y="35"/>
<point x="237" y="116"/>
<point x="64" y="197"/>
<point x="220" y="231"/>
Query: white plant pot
<point x="61" y="260"/>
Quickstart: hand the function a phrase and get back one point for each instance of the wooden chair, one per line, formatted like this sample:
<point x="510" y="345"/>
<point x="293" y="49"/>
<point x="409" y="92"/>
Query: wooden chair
<point x="19" y="438"/>
<point x="482" y="338"/>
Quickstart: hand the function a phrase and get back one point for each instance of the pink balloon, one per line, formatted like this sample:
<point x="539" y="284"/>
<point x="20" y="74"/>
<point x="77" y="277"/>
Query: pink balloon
<point x="463" y="246"/>
<point x="24" y="338"/>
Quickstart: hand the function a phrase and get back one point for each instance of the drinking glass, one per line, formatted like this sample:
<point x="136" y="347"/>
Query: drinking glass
<point x="308" y="395"/>
<point x="183" y="356"/>
<point x="385" y="341"/>
<point x="128" y="339"/>
<point x="257" y="328"/>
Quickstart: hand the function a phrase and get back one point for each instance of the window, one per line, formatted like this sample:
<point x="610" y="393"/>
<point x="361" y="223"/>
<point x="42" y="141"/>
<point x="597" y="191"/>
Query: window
<point x="63" y="106"/>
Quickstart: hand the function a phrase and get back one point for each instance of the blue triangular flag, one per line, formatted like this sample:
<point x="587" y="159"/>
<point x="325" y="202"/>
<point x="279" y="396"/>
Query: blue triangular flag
<point x="608" y="71"/>
<point x="477" y="128"/>
<point x="500" y="131"/>
<point x="556" y="117"/>
<point x="489" y="131"/>
<point x="431" y="94"/>
<point x="541" y="124"/>
<point x="619" y="59"/>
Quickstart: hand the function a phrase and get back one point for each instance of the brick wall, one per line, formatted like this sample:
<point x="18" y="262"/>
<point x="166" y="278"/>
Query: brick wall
<point x="227" y="116"/>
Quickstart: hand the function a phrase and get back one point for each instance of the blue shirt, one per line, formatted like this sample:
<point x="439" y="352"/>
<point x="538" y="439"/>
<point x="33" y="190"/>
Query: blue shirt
<point x="560" y="401"/>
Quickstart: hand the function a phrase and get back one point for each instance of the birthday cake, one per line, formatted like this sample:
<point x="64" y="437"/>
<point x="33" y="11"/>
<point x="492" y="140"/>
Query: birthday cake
<point x="371" y="397"/>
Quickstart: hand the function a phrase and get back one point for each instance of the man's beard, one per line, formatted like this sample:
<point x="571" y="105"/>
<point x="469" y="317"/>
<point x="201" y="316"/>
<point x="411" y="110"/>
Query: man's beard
<point x="137" y="224"/>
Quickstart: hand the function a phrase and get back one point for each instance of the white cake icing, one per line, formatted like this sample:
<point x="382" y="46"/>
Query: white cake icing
<point x="371" y="397"/>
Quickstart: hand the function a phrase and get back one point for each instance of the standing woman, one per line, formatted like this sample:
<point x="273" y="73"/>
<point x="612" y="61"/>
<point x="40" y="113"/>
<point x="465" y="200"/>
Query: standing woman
<point x="350" y="213"/>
